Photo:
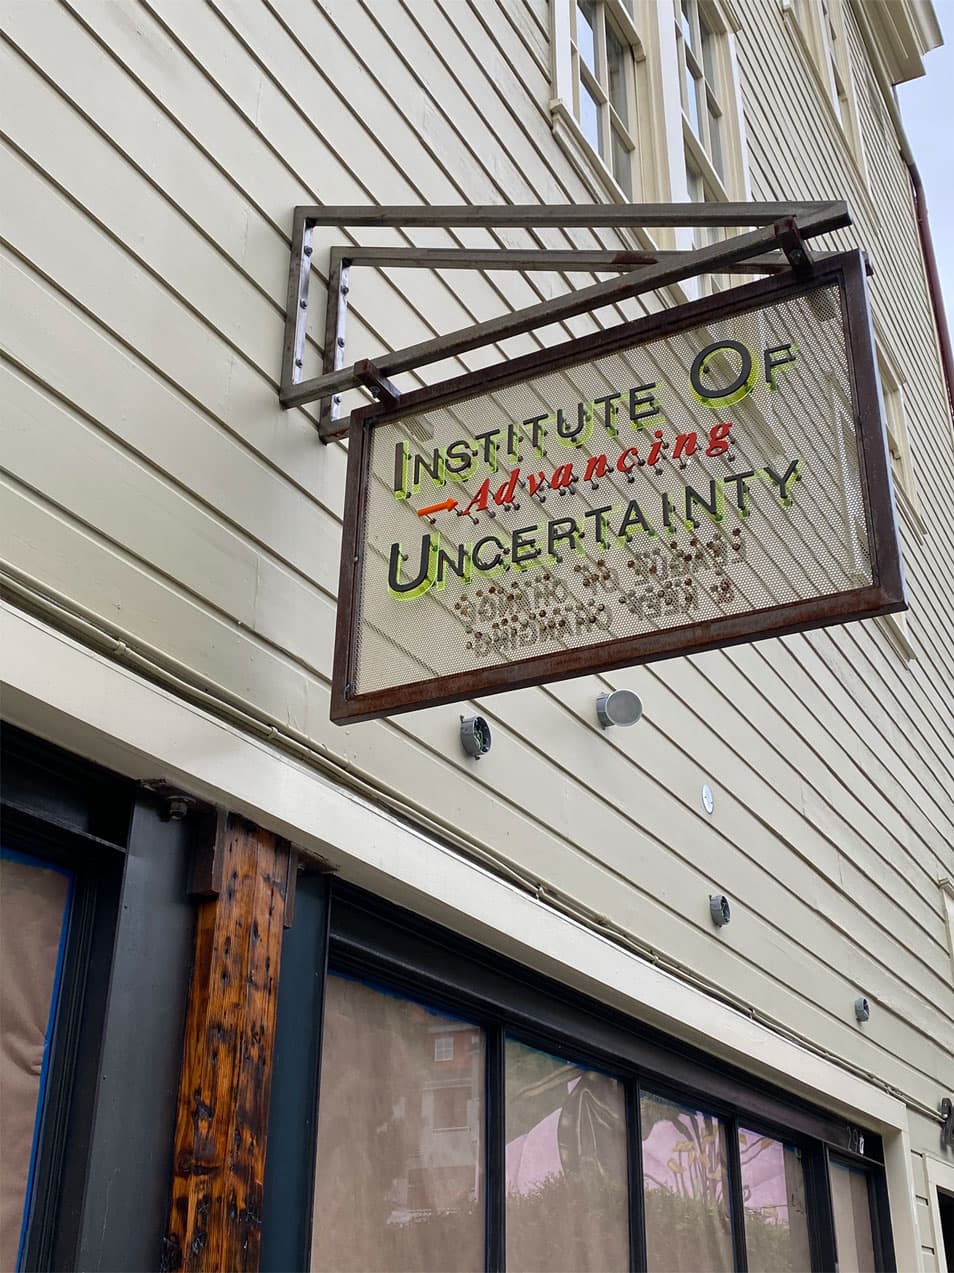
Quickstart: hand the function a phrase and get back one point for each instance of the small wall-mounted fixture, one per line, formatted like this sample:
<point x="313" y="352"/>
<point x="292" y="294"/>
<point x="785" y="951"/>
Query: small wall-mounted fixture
<point x="862" y="1010"/>
<point x="719" y="909"/>
<point x="475" y="736"/>
<point x="622" y="707"/>
<point x="707" y="801"/>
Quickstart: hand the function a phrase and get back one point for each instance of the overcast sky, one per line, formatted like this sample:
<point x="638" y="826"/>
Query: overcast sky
<point x="927" y="108"/>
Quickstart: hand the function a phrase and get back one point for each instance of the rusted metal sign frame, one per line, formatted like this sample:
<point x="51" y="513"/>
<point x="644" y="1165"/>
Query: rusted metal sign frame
<point x="652" y="271"/>
<point x="885" y="595"/>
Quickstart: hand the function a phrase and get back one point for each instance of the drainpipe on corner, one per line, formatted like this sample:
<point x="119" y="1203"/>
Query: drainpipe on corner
<point x="933" y="281"/>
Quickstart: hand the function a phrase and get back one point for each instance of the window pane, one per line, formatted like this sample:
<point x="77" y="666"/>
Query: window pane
<point x="776" y="1218"/>
<point x="697" y="190"/>
<point x="853" y="1237"/>
<point x="685" y="1189"/>
<point x="693" y="87"/>
<point x="34" y="898"/>
<point x="567" y="1193"/>
<point x="686" y="23"/>
<point x="715" y="141"/>
<point x="615" y="54"/>
<point x="585" y="37"/>
<point x="622" y="164"/>
<point x="589" y="118"/>
<point x="709" y="62"/>
<point x="399" y="1180"/>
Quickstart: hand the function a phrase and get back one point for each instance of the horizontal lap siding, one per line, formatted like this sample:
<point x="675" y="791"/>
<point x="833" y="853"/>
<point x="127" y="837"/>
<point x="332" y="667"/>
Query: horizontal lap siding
<point x="157" y="151"/>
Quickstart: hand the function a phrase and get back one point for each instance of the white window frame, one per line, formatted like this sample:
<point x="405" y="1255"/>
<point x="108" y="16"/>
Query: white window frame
<point x="658" y="131"/>
<point x="822" y="30"/>
<point x="895" y="626"/>
<point x="940" y="1176"/>
<point x="441" y="1052"/>
<point x="895" y="419"/>
<point x="701" y="180"/>
<point x="641" y="128"/>
<point x="720" y="80"/>
<point x="615" y="113"/>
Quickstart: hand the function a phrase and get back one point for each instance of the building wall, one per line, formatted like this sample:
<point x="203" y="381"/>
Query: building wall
<point x="154" y="487"/>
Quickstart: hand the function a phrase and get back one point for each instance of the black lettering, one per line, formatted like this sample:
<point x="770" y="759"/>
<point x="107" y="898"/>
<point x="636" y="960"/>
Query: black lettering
<point x="523" y="547"/>
<point x="599" y="517"/>
<point x="459" y="457"/>
<point x="434" y="469"/>
<point x="718" y="397"/>
<point x="559" y="529"/>
<point x="741" y="481"/>
<point x="489" y="440"/>
<point x="792" y="473"/>
<point x="712" y="505"/>
<point x="475" y="552"/>
<point x="634" y="517"/>
<point x="642" y="403"/>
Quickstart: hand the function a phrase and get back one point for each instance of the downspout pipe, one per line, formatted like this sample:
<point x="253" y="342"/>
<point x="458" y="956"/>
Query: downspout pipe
<point x="933" y="279"/>
<point x="920" y="207"/>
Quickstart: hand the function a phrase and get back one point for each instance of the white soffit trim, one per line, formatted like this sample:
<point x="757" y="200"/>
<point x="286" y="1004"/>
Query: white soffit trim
<point x="71" y="695"/>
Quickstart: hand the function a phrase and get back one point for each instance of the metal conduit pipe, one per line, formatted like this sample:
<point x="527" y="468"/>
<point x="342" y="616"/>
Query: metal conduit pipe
<point x="66" y="615"/>
<point x="920" y="206"/>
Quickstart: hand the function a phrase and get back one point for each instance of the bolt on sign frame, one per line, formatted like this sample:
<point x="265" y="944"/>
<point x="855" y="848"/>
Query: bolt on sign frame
<point x="758" y="408"/>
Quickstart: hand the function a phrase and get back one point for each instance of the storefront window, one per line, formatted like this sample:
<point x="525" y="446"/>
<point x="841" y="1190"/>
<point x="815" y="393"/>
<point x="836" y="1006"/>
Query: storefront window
<point x="532" y="1131"/>
<point x="400" y="1136"/>
<point x="567" y="1188"/>
<point x="775" y="1205"/>
<point x="685" y="1188"/>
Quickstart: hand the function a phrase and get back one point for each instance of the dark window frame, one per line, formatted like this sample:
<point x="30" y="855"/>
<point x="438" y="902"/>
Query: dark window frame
<point x="878" y="1205"/>
<point x="112" y="1063"/>
<point x="53" y="806"/>
<point x="362" y="936"/>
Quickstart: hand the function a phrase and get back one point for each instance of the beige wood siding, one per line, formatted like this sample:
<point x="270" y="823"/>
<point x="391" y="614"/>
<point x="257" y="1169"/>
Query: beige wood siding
<point x="151" y="160"/>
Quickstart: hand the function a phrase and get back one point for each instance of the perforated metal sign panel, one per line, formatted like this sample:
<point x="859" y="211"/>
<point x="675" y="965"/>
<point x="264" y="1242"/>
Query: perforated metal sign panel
<point x="714" y="474"/>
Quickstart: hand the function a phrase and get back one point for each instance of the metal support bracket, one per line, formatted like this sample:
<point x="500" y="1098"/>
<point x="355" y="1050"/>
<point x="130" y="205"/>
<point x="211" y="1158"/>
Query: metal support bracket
<point x="796" y="250"/>
<point x="778" y="243"/>
<point x="367" y="374"/>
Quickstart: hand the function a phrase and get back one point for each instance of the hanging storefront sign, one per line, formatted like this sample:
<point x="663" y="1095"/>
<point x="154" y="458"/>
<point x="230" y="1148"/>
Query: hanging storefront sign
<point x="713" y="474"/>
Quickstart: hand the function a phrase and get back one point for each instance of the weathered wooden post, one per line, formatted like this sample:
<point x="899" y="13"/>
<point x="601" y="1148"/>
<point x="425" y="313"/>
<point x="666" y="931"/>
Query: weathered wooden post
<point x="246" y="876"/>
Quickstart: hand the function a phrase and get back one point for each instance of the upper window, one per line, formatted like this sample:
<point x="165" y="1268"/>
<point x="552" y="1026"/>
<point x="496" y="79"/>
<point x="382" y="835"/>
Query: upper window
<point x="604" y="96"/>
<point x="823" y="29"/>
<point x="704" y="84"/>
<point x="594" y="105"/>
<point x="646" y="100"/>
<point x="702" y="87"/>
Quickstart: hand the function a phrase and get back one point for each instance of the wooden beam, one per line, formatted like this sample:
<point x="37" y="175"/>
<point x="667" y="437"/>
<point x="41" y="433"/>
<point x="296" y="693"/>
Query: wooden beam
<point x="225" y="1083"/>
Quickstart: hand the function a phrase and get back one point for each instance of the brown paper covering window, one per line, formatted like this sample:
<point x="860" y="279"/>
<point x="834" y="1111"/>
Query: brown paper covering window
<point x="32" y="911"/>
